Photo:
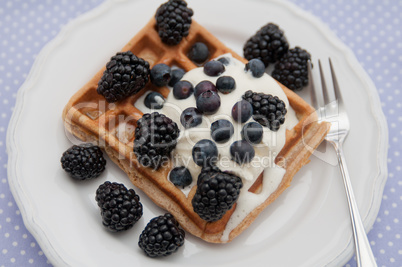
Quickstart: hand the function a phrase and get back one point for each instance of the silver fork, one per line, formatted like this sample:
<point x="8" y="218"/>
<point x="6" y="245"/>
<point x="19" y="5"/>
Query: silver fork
<point x="334" y="112"/>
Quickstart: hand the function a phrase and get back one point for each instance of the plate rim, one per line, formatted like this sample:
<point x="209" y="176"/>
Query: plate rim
<point x="13" y="149"/>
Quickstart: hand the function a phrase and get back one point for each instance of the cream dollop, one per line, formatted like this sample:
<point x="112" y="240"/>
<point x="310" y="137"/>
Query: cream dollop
<point x="265" y="152"/>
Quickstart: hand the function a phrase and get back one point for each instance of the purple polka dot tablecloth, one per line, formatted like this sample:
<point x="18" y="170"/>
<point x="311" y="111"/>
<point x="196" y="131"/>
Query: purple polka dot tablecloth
<point x="372" y="29"/>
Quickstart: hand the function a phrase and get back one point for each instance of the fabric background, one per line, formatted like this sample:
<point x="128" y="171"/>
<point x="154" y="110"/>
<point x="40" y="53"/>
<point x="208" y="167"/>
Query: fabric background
<point x="372" y="29"/>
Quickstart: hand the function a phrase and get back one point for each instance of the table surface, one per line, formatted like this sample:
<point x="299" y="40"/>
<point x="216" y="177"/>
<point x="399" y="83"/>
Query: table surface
<point x="372" y="29"/>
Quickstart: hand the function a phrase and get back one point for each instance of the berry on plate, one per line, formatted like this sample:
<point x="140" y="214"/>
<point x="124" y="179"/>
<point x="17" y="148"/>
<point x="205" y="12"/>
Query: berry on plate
<point x="83" y="162"/>
<point x="120" y="207"/>
<point x="162" y="236"/>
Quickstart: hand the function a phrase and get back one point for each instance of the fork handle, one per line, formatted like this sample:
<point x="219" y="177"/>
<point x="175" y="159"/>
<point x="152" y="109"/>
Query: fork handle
<point x="364" y="255"/>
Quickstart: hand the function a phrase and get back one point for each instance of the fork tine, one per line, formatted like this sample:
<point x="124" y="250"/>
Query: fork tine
<point x="337" y="91"/>
<point x="323" y="85"/>
<point x="311" y="86"/>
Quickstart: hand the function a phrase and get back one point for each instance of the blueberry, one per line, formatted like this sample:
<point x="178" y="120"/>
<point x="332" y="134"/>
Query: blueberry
<point x="214" y="68"/>
<point x="180" y="176"/>
<point x="177" y="74"/>
<point x="224" y="60"/>
<point x="190" y="117"/>
<point x="256" y="66"/>
<point x="205" y="153"/>
<point x="208" y="102"/>
<point x="204" y="86"/>
<point x="160" y="74"/>
<point x="252" y="132"/>
<point x="242" y="111"/>
<point x="198" y="53"/>
<point x="225" y="84"/>
<point x="221" y="130"/>
<point x="242" y="152"/>
<point x="182" y="90"/>
<point x="154" y="100"/>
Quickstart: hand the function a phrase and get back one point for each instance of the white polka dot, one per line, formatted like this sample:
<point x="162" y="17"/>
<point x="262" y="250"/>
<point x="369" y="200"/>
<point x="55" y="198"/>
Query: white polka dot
<point x="380" y="235"/>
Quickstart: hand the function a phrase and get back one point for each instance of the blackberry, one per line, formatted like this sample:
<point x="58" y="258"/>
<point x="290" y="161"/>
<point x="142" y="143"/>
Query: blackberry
<point x="125" y="75"/>
<point x="269" y="44"/>
<point x="83" y="162"/>
<point x="291" y="69"/>
<point x="268" y="110"/>
<point x="120" y="207"/>
<point x="216" y="193"/>
<point x="173" y="21"/>
<point x="162" y="236"/>
<point x="155" y="137"/>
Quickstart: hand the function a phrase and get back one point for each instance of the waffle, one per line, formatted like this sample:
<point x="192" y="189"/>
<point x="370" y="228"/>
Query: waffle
<point x="89" y="117"/>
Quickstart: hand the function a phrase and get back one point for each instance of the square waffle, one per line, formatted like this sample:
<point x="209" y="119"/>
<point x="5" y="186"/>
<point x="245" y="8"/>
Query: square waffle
<point x="89" y="117"/>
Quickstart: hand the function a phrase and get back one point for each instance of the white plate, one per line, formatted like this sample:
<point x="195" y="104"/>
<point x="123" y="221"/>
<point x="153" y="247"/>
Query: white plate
<point x="307" y="226"/>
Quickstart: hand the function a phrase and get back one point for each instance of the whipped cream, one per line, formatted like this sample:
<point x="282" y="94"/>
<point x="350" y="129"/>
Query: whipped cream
<point x="265" y="152"/>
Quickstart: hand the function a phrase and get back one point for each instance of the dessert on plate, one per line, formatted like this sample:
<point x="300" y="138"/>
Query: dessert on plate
<point x="215" y="145"/>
